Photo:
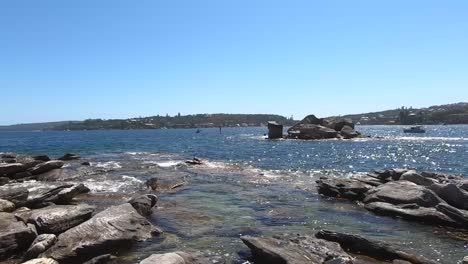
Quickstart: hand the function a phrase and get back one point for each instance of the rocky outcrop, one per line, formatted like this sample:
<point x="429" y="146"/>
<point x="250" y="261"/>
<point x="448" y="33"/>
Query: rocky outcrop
<point x="295" y="250"/>
<point x="372" y="248"/>
<point x="275" y="130"/>
<point x="6" y="206"/>
<point x="46" y="166"/>
<point x="452" y="194"/>
<point x="39" y="245"/>
<point x="312" y="127"/>
<point x="17" y="195"/>
<point x="15" y="236"/>
<point x="144" y="204"/>
<point x="57" y="219"/>
<point x="417" y="178"/>
<point x="60" y="195"/>
<point x="9" y="169"/>
<point x="182" y="258"/>
<point x="343" y="188"/>
<point x="114" y="228"/>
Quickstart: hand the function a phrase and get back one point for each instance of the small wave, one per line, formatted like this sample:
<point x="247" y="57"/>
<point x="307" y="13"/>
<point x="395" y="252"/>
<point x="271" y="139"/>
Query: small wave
<point x="132" y="179"/>
<point x="168" y="164"/>
<point x="108" y="165"/>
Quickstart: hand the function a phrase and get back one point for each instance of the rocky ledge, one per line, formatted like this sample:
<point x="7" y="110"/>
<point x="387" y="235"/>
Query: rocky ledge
<point x="425" y="197"/>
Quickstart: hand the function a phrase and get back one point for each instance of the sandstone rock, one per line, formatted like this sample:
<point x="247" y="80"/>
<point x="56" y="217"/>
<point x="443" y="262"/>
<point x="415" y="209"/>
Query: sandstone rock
<point x="59" y="218"/>
<point x="460" y="216"/>
<point x="295" y="250"/>
<point x="60" y="195"/>
<point x="339" y="124"/>
<point x="6" y="206"/>
<point x="114" y="228"/>
<point x="373" y="248"/>
<point x="41" y="261"/>
<point x="8" y="169"/>
<point x="17" y="195"/>
<point x="39" y="245"/>
<point x="452" y="194"/>
<point x="402" y="192"/>
<point x="46" y="166"/>
<point x="144" y="204"/>
<point x="14" y="235"/>
<point x="341" y="187"/>
<point x="412" y="212"/>
<point x="414" y="177"/>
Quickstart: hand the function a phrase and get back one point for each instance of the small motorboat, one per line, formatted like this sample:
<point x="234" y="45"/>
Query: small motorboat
<point x="415" y="129"/>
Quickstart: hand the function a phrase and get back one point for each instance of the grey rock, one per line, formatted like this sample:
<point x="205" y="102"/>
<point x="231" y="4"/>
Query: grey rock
<point x="344" y="188"/>
<point x="16" y="195"/>
<point x="69" y="156"/>
<point x="8" y="169"/>
<point x="41" y="261"/>
<point x="465" y="260"/>
<point x="294" y="250"/>
<point x="308" y="131"/>
<point x="339" y="124"/>
<point x="167" y="258"/>
<point x="461" y="216"/>
<point x="275" y="130"/>
<point x="60" y="195"/>
<point x="414" y="177"/>
<point x="114" y="228"/>
<point x="4" y="180"/>
<point x="6" y="206"/>
<point x="452" y="194"/>
<point x="41" y="158"/>
<point x="46" y="166"/>
<point x="144" y="204"/>
<point x="183" y="258"/>
<point x="372" y="248"/>
<point x="59" y="218"/>
<point x="402" y="192"/>
<point x="39" y="245"/>
<point x="413" y="212"/>
<point x="348" y="132"/>
<point x="15" y="236"/>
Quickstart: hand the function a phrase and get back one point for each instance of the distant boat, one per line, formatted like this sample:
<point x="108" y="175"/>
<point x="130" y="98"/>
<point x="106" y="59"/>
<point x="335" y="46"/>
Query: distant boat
<point x="414" y="129"/>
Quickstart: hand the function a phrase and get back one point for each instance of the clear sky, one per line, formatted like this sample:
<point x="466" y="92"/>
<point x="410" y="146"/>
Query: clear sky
<point x="71" y="60"/>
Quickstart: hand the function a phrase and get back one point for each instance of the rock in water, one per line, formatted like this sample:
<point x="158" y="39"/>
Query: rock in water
<point x="275" y="130"/>
<point x="41" y="261"/>
<point x="183" y="258"/>
<point x="103" y="259"/>
<point x="144" y="204"/>
<point x="403" y="192"/>
<point x="59" y="218"/>
<point x="308" y="131"/>
<point x="114" y="228"/>
<point x="295" y="250"/>
<point x="417" y="178"/>
<point x="340" y="187"/>
<point x="6" y="206"/>
<point x="452" y="195"/>
<point x="348" y="132"/>
<point x="41" y="158"/>
<point x="373" y="248"/>
<point x="167" y="258"/>
<point x="46" y="166"/>
<point x="39" y="245"/>
<point x="69" y="156"/>
<point x="14" y="235"/>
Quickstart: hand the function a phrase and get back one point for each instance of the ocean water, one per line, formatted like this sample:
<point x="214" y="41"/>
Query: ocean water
<point x="249" y="185"/>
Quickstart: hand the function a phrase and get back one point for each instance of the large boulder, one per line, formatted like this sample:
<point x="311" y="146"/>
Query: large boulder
<point x="275" y="130"/>
<point x="308" y="120"/>
<point x="60" y="195"/>
<point x="412" y="212"/>
<point x="15" y="235"/>
<point x="46" y="166"/>
<point x="461" y="216"/>
<point x="452" y="194"/>
<point x="17" y="195"/>
<point x="182" y="258"/>
<point x="39" y="245"/>
<point x="6" y="206"/>
<point x="144" y="204"/>
<point x="339" y="124"/>
<point x="372" y="248"/>
<point x="402" y="192"/>
<point x="9" y="169"/>
<point x="295" y="250"/>
<point x="343" y="188"/>
<point x="348" y="132"/>
<point x="112" y="229"/>
<point x="309" y="131"/>
<point x="417" y="178"/>
<point x="56" y="219"/>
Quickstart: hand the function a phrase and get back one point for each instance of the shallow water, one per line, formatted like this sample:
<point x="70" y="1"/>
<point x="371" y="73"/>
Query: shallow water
<point x="250" y="185"/>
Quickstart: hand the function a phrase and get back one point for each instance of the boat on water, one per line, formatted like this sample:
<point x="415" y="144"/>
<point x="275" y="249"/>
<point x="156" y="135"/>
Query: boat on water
<point x="414" y="129"/>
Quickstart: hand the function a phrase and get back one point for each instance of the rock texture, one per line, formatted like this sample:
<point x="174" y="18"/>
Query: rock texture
<point x="15" y="236"/>
<point x="312" y="127"/>
<point x="6" y="206"/>
<point x="39" y="245"/>
<point x="182" y="258"/>
<point x="41" y="261"/>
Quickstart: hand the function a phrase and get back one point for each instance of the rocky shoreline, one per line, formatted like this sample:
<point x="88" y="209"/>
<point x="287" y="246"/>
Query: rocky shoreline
<point x="54" y="227"/>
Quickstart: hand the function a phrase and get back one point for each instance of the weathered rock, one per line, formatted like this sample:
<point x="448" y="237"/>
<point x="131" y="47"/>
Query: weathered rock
<point x="309" y="120"/>
<point x="4" y="180"/>
<point x="348" y="132"/>
<point x="412" y="212"/>
<point x="373" y="248"/>
<point x="182" y="258"/>
<point x="402" y="192"/>
<point x="309" y="131"/>
<point x="69" y="156"/>
<point x="342" y="187"/>
<point x="465" y="260"/>
<point x="14" y="235"/>
<point x="41" y="261"/>
<point x="86" y="163"/>
<point x="275" y="130"/>
<point x="46" y="166"/>
<point x="41" y="158"/>
<point x="294" y="250"/>
<point x="144" y="204"/>
<point x="339" y="124"/>
<point x="39" y="245"/>
<point x="114" y="228"/>
<point x="452" y="194"/>
<point x="16" y="195"/>
<point x="103" y="259"/>
<point x="6" y="206"/>
<point x="417" y="178"/>
<point x="60" y="195"/>
<point x="458" y="215"/>
<point x="59" y="218"/>
<point x="8" y="169"/>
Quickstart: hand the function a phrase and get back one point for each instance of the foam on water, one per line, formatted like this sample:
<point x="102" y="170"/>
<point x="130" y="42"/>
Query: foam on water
<point x="107" y="165"/>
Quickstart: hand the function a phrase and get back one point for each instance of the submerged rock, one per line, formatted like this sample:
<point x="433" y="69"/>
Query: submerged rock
<point x="15" y="236"/>
<point x="295" y="250"/>
<point x="39" y="245"/>
<point x="59" y="218"/>
<point x="372" y="248"/>
<point x="114" y="228"/>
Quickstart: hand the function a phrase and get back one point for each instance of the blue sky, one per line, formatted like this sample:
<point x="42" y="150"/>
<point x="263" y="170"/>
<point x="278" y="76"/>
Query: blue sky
<point x="71" y="60"/>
